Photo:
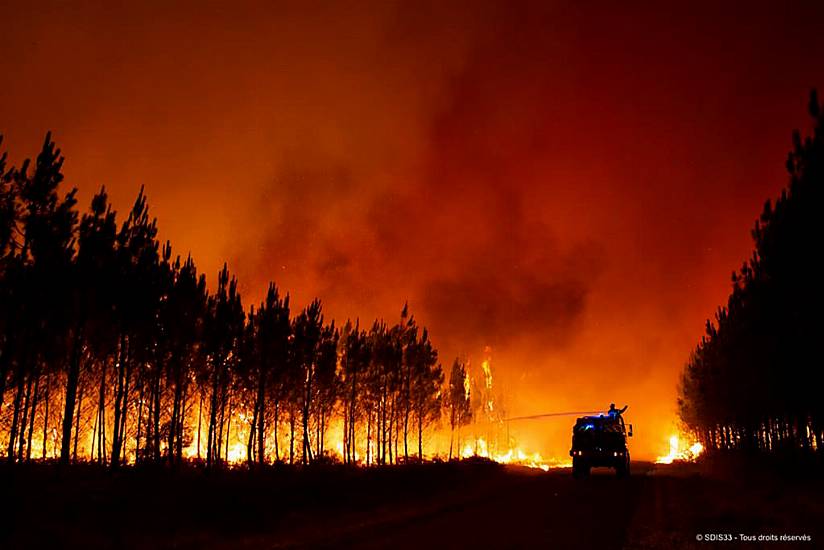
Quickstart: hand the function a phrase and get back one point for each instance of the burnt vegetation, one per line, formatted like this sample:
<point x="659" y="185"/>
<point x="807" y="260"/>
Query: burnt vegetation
<point x="113" y="350"/>
<point x="753" y="383"/>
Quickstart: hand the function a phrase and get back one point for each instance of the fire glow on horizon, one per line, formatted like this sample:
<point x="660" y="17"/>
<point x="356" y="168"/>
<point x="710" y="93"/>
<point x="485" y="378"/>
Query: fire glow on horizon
<point x="496" y="188"/>
<point x="487" y="435"/>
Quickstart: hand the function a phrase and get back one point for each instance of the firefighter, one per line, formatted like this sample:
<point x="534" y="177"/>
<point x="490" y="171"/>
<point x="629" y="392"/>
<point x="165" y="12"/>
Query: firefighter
<point x="616" y="413"/>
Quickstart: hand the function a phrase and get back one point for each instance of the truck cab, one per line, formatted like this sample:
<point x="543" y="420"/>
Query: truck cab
<point x="600" y="441"/>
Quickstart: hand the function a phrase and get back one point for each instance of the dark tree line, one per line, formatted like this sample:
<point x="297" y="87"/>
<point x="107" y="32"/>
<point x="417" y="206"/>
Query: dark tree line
<point x="113" y="349"/>
<point x="754" y="381"/>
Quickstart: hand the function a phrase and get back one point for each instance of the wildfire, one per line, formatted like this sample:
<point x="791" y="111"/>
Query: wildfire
<point x="488" y="418"/>
<point x="513" y="456"/>
<point x="679" y="451"/>
<point x="487" y="373"/>
<point x="237" y="453"/>
<point x="479" y="386"/>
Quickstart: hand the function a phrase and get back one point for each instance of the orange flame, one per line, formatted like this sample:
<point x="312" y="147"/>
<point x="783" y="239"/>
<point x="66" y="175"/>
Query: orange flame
<point x="679" y="451"/>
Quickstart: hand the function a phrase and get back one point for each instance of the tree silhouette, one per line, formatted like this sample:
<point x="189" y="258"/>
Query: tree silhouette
<point x="113" y="350"/>
<point x="47" y="229"/>
<point x="752" y="381"/>
<point x="9" y="270"/>
<point x="355" y="359"/>
<point x="224" y="328"/>
<point x="458" y="400"/>
<point x="267" y="355"/>
<point x="307" y="330"/>
<point x="426" y="381"/>
<point x="92" y="302"/>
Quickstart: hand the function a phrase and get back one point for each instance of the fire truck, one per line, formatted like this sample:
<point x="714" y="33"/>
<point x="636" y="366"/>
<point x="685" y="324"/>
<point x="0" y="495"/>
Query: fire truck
<point x="600" y="441"/>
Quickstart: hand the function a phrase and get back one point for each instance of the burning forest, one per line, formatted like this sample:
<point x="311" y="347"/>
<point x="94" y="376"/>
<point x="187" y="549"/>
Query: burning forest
<point x="410" y="275"/>
<point x="115" y="352"/>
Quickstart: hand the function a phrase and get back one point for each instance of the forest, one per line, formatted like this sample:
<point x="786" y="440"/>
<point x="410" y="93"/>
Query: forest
<point x="114" y="351"/>
<point x="754" y="381"/>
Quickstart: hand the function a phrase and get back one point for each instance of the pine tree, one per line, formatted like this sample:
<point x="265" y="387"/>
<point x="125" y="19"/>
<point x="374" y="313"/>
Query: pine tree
<point x="460" y="412"/>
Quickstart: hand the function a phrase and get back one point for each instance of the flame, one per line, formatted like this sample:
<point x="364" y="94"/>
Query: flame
<point x="488" y="418"/>
<point x="679" y="451"/>
<point x="237" y="453"/>
<point x="487" y="374"/>
<point x="480" y="447"/>
<point x="487" y="371"/>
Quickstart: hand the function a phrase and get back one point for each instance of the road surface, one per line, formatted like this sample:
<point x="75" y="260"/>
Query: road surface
<point x="658" y="507"/>
<point x="453" y="505"/>
<point x="530" y="511"/>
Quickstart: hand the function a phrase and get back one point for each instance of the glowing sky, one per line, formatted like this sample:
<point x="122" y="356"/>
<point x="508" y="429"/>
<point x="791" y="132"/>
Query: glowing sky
<point x="570" y="183"/>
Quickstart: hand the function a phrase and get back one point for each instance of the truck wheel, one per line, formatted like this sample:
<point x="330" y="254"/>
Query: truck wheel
<point x="580" y="469"/>
<point x="622" y="470"/>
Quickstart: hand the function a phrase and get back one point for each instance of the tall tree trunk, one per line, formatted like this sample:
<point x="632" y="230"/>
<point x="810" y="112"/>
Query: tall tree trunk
<point x="5" y="365"/>
<point x="291" y="434"/>
<point x="94" y="435"/>
<point x="406" y="431"/>
<point x="307" y="400"/>
<point x="120" y="373"/>
<point x="141" y="394"/>
<point x="25" y="418"/>
<point x="352" y="411"/>
<point x="322" y="437"/>
<point x="71" y="394"/>
<point x="174" y="426"/>
<point x="261" y="429"/>
<point x="148" y="448"/>
<point x="124" y="416"/>
<point x="397" y="436"/>
<point x="345" y="433"/>
<point x="171" y="436"/>
<point x="155" y="417"/>
<point x="368" y="437"/>
<point x="407" y="404"/>
<point x="219" y="447"/>
<point x="276" y="423"/>
<point x="420" y="438"/>
<point x="353" y="442"/>
<point x="101" y="414"/>
<point x="228" y="433"/>
<point x="210" y="452"/>
<point x="46" y="415"/>
<point x="199" y="416"/>
<point x="76" y="424"/>
<point x="250" y="442"/>
<point x="390" y="423"/>
<point x="35" y="399"/>
<point x="317" y="432"/>
<point x="383" y="431"/>
<point x="181" y="422"/>
<point x="18" y="398"/>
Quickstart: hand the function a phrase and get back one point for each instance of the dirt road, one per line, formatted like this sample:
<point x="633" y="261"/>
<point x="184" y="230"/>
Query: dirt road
<point x="658" y="507"/>
<point x="454" y="505"/>
<point x="531" y="511"/>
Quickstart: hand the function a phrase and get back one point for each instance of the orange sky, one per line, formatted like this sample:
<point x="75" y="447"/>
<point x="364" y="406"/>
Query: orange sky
<point x="570" y="185"/>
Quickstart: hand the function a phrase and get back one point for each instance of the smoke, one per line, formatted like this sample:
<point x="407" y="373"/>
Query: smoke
<point x="442" y="223"/>
<point x="570" y="183"/>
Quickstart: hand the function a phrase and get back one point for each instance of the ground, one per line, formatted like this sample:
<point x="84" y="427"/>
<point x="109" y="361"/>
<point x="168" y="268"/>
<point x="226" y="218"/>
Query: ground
<point x="466" y="505"/>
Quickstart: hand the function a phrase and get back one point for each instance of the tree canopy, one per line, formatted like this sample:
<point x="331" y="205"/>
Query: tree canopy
<point x="113" y="349"/>
<point x="753" y="381"/>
